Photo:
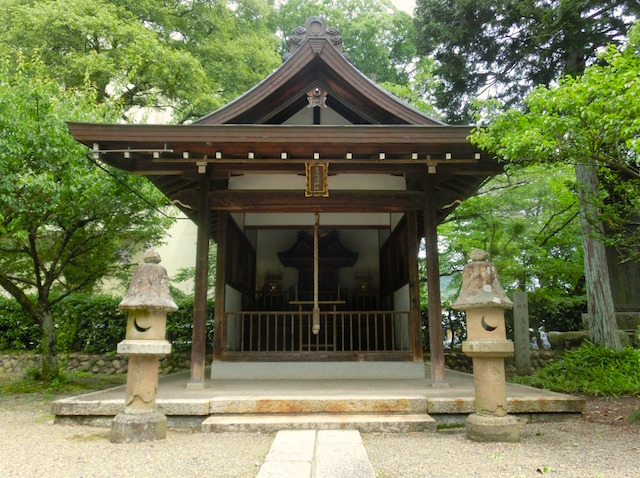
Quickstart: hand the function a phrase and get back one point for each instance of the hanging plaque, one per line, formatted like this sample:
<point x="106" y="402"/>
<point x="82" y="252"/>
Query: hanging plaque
<point x="317" y="179"/>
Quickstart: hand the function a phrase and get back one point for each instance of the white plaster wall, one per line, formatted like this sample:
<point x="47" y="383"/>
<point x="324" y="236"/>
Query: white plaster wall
<point x="177" y="251"/>
<point x="268" y="181"/>
<point x="334" y="220"/>
<point x="238" y="218"/>
<point x="365" y="243"/>
<point x="338" y="182"/>
<point x="327" y="117"/>
<point x="364" y="182"/>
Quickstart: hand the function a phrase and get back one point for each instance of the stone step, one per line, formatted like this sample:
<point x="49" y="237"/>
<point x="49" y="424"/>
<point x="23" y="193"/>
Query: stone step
<point x="311" y="453"/>
<point x="268" y="423"/>
<point x="409" y="404"/>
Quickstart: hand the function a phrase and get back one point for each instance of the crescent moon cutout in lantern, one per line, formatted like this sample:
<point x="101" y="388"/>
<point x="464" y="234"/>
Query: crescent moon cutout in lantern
<point x="138" y="328"/>
<point x="486" y="326"/>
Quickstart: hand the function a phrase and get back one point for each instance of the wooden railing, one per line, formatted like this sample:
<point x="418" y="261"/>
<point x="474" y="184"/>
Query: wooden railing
<point x="340" y="331"/>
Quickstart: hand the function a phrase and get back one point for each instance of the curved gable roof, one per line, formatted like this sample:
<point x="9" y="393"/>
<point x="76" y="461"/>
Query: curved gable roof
<point x="317" y="63"/>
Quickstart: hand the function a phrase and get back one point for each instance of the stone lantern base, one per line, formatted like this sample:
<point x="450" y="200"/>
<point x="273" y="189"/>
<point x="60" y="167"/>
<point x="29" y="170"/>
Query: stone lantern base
<point x="127" y="428"/>
<point x="483" y="428"/>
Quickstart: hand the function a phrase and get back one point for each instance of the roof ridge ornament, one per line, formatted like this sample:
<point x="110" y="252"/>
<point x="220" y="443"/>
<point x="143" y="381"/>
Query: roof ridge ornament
<point x="315" y="27"/>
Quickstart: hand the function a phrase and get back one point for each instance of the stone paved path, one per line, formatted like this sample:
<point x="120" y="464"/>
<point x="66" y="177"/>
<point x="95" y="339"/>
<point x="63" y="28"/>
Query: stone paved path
<point x="310" y="453"/>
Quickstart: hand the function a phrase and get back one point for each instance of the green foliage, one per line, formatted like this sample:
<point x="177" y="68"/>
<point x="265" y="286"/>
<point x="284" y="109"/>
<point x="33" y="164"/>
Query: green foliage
<point x="188" y="274"/>
<point x="526" y="219"/>
<point x="180" y="326"/>
<point x="592" y="370"/>
<point x="18" y="330"/>
<point x="92" y="323"/>
<point x="379" y="38"/>
<point x="504" y="48"/>
<point x="84" y="323"/>
<point x="190" y="57"/>
<point x="418" y="92"/>
<point x="231" y="43"/>
<point x="67" y="382"/>
<point x="64" y="222"/>
<point x="589" y="122"/>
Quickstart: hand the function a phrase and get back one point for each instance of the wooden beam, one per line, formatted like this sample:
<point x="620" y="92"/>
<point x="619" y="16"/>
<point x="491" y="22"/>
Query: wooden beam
<point x="111" y="136"/>
<point x="199" y="333"/>
<point x="433" y="284"/>
<point x="219" y="325"/>
<point x="414" y="286"/>
<point x="295" y="201"/>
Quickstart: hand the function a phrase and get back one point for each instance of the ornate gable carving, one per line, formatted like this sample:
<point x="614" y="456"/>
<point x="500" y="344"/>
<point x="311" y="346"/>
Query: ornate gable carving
<point x="315" y="27"/>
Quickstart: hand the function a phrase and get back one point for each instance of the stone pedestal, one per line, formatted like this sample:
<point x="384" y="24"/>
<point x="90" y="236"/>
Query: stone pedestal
<point x="487" y="428"/>
<point x="148" y="302"/>
<point x="484" y="302"/>
<point x="127" y="428"/>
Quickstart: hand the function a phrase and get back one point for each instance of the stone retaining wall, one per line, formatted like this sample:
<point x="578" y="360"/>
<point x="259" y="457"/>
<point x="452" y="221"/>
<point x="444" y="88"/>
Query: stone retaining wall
<point x="457" y="360"/>
<point x="15" y="364"/>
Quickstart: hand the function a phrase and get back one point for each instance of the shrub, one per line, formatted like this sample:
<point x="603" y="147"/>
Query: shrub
<point x="18" y="331"/>
<point x="89" y="323"/>
<point x="92" y="323"/>
<point x="180" y="326"/>
<point x="592" y="370"/>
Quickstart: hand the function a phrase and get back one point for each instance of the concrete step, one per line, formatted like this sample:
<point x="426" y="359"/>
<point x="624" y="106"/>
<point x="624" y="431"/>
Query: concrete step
<point x="409" y="404"/>
<point x="363" y="422"/>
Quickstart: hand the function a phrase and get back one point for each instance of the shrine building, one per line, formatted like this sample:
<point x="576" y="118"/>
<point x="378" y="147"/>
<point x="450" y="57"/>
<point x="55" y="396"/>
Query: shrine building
<point x="317" y="187"/>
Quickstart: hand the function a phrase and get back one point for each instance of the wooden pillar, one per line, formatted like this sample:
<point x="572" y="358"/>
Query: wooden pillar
<point x="219" y="323"/>
<point x="414" y="286"/>
<point x="433" y="284"/>
<point x="199" y="334"/>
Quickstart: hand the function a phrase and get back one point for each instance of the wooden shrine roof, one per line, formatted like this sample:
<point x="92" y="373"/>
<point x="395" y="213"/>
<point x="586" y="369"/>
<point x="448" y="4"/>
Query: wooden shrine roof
<point x="246" y="136"/>
<point x="317" y="62"/>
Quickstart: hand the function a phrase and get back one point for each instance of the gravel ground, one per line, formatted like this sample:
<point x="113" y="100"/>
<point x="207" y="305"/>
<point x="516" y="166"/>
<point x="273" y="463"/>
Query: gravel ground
<point x="32" y="446"/>
<point x="572" y="448"/>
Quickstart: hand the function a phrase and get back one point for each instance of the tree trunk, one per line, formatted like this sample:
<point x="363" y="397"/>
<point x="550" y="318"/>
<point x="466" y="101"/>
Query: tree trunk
<point x="603" y="329"/>
<point x="49" y="368"/>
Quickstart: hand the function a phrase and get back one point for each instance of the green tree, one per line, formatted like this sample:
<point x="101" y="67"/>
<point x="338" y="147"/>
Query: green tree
<point x="505" y="48"/>
<point x="188" y="274"/>
<point x="591" y="122"/>
<point x="233" y="42"/>
<point x="64" y="222"/>
<point x="527" y="220"/>
<point x="379" y="38"/>
<point x="184" y="57"/>
<point x="420" y="89"/>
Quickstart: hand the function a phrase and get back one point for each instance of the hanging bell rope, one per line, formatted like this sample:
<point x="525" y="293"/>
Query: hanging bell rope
<point x="316" y="275"/>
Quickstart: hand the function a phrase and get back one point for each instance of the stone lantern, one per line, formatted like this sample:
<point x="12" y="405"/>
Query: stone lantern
<point x="484" y="303"/>
<point x="148" y="301"/>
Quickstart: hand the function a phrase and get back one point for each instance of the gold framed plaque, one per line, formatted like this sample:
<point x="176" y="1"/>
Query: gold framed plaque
<point x="317" y="179"/>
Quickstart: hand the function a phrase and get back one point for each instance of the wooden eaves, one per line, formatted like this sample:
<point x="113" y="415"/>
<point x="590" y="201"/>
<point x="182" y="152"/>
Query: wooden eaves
<point x="170" y="154"/>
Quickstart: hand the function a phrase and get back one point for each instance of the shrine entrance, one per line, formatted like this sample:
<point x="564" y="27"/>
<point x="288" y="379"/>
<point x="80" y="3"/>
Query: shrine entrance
<point x="357" y="317"/>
